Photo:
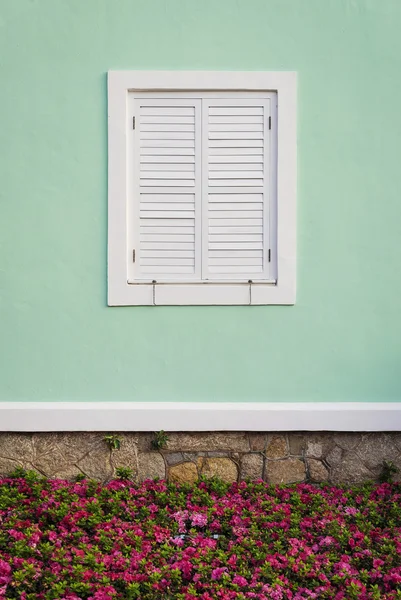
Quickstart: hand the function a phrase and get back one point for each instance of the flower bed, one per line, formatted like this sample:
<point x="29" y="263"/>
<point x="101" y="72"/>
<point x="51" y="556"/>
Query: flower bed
<point x="70" y="541"/>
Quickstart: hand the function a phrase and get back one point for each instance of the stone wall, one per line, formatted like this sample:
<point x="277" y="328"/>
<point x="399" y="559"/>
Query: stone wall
<point x="277" y="458"/>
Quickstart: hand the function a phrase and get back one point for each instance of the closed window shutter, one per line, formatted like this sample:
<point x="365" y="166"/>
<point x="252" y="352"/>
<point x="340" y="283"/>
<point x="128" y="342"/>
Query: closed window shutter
<point x="167" y="215"/>
<point x="235" y="188"/>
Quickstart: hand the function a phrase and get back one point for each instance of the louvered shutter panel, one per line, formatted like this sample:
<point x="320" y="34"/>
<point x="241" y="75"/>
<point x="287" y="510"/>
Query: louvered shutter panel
<point x="167" y="185"/>
<point x="235" y="188"/>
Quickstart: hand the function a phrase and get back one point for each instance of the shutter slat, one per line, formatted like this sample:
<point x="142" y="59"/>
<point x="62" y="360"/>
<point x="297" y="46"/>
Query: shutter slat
<point x="167" y="253"/>
<point x="167" y="111"/>
<point x="167" y="261"/>
<point x="236" y="198"/>
<point x="218" y="154"/>
<point x="235" y="119"/>
<point x="233" y="182"/>
<point x="162" y="167"/>
<point x="241" y="230"/>
<point x="168" y="128"/>
<point x="215" y="222"/>
<point x="236" y="214"/>
<point x="156" y="182"/>
<point x="225" y="261"/>
<point x="236" y="253"/>
<point x="155" y="175"/>
<point x="233" y="135"/>
<point x="166" y="246"/>
<point x="152" y="154"/>
<point x="165" y="237"/>
<point x="145" y="229"/>
<point x="239" y="245"/>
<point x="169" y="270"/>
<point x="167" y="135"/>
<point x="167" y="197"/>
<point x="235" y="237"/>
<point x="238" y="269"/>
<point x="235" y="110"/>
<point x="168" y="143"/>
<point x="234" y="174"/>
<point x="236" y="143"/>
<point x="165" y="120"/>
<point x="165" y="214"/>
<point x="232" y="166"/>
<point x="237" y="127"/>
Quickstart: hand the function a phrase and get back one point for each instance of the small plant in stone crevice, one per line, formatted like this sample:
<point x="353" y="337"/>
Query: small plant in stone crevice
<point x="124" y="473"/>
<point x="113" y="441"/>
<point x="388" y="471"/>
<point x="160" y="440"/>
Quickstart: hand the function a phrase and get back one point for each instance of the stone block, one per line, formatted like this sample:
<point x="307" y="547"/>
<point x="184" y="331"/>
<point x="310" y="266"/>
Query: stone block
<point x="257" y="442"/>
<point x="334" y="457"/>
<point x="208" y="442"/>
<point x="173" y="458"/>
<point x="71" y="446"/>
<point x="317" y="471"/>
<point x="314" y="449"/>
<point x="350" y="470"/>
<point x="291" y="470"/>
<point x="150" y="466"/>
<point x="252" y="466"/>
<point x="224" y="468"/>
<point x="127" y="455"/>
<point x="183" y="473"/>
<point x="347" y="441"/>
<point x="374" y="450"/>
<point x="277" y="447"/>
<point x="96" y="464"/>
<point x="17" y="446"/>
<point x="145" y="442"/>
<point x="297" y="443"/>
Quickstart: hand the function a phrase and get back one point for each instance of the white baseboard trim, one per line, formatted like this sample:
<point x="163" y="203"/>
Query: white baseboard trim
<point x="176" y="416"/>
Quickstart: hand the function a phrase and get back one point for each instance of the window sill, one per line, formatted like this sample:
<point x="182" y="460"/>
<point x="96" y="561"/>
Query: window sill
<point x="202" y="294"/>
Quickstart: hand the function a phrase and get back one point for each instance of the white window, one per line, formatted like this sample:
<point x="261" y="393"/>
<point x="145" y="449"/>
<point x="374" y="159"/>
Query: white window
<point x="202" y="187"/>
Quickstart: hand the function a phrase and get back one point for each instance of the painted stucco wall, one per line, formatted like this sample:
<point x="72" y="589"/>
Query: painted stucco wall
<point x="59" y="340"/>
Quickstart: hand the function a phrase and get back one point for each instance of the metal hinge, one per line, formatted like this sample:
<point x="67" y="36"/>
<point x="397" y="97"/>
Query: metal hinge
<point x="133" y="122"/>
<point x="270" y="123"/>
<point x="133" y="256"/>
<point x="270" y="255"/>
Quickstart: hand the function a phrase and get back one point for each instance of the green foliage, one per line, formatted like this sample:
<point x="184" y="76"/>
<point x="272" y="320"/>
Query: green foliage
<point x="160" y="440"/>
<point x="388" y="471"/>
<point x="124" y="473"/>
<point x="29" y="475"/>
<point x="113" y="441"/>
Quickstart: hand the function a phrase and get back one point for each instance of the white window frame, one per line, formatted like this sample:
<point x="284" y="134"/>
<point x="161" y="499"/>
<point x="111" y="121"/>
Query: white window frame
<point x="123" y="293"/>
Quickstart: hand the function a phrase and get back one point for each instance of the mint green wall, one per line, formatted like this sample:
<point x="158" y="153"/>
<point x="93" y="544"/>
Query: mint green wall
<point x="59" y="340"/>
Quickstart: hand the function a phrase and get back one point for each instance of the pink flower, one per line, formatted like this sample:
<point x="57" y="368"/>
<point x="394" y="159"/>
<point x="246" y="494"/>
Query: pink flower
<point x="217" y="573"/>
<point x="350" y="510"/>
<point x="241" y="581"/>
<point x="377" y="563"/>
<point x="17" y="535"/>
<point x="199" y="520"/>
<point x="178" y="541"/>
<point x="5" y="576"/>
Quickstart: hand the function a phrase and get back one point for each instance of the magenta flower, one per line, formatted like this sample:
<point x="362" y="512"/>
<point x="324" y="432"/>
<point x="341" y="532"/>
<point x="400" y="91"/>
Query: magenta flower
<point x="217" y="573"/>
<point x="241" y="581"/>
